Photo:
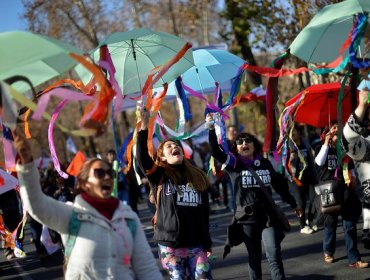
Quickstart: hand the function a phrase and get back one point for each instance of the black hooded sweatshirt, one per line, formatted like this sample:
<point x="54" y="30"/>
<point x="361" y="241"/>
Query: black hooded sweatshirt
<point x="182" y="211"/>
<point x="248" y="190"/>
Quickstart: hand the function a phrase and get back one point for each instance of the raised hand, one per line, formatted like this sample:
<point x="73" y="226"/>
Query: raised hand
<point x="362" y="103"/>
<point x="209" y="121"/>
<point x="144" y="115"/>
<point x="22" y="146"/>
<point x="363" y="97"/>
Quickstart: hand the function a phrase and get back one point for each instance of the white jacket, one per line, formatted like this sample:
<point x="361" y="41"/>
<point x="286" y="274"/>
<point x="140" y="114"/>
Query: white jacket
<point x="102" y="246"/>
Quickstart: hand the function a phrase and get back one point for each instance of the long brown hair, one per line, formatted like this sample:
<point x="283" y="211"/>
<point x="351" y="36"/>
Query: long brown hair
<point x="196" y="176"/>
<point x="84" y="173"/>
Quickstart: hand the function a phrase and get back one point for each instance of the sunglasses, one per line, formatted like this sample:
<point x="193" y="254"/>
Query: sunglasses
<point x="243" y="140"/>
<point x="99" y="173"/>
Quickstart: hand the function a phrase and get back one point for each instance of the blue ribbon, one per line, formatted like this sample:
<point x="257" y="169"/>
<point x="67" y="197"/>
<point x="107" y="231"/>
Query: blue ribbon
<point x="184" y="100"/>
<point x="122" y="151"/>
<point x="357" y="35"/>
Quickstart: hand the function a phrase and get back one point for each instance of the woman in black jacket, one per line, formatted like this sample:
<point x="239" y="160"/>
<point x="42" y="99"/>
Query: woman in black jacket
<point x="182" y="216"/>
<point x="253" y="211"/>
<point x="328" y="168"/>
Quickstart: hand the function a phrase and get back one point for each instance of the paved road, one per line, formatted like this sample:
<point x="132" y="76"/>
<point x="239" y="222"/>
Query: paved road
<point x="302" y="256"/>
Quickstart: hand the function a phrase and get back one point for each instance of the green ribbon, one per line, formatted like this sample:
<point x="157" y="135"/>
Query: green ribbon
<point x="115" y="180"/>
<point x="339" y="115"/>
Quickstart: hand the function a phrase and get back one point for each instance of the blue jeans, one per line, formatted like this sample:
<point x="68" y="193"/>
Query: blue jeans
<point x="228" y="188"/>
<point x="350" y="239"/>
<point x="123" y="196"/>
<point x="271" y="238"/>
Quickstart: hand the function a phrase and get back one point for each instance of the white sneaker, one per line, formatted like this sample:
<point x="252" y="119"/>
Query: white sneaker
<point x="306" y="230"/>
<point x="315" y="228"/>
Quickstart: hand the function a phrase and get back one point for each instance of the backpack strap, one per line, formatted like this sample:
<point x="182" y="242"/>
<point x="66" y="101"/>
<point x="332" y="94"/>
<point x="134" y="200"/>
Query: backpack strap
<point x="74" y="228"/>
<point x="131" y="223"/>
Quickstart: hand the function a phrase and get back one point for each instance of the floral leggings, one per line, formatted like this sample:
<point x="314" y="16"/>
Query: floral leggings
<point x="182" y="263"/>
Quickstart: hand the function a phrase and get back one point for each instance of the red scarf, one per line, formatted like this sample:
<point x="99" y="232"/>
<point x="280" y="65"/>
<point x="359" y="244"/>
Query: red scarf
<point x="105" y="206"/>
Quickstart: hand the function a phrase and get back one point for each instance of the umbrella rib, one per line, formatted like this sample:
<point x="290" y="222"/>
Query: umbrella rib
<point x="166" y="46"/>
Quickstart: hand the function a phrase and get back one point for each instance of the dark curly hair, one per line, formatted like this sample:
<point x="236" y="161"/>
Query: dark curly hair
<point x="257" y="144"/>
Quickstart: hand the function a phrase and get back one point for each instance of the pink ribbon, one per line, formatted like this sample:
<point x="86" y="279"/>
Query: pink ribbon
<point x="62" y="93"/>
<point x="51" y="138"/>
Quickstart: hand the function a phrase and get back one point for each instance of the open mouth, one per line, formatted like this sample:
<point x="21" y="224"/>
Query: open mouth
<point x="106" y="188"/>
<point x="176" y="153"/>
<point x="245" y="149"/>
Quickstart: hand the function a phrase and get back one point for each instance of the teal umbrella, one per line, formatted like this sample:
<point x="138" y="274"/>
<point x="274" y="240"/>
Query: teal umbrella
<point x="39" y="58"/>
<point x="322" y="38"/>
<point x="211" y="66"/>
<point x="135" y="53"/>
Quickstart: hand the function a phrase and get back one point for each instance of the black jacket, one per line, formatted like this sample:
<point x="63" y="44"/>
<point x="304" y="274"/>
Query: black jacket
<point x="249" y="191"/>
<point x="351" y="206"/>
<point x="182" y="212"/>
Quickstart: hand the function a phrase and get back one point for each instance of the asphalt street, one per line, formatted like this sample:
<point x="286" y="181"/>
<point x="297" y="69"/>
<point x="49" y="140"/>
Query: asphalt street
<point x="302" y="254"/>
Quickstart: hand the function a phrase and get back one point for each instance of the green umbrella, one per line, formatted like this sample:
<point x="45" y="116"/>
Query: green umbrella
<point x="322" y="38"/>
<point x="135" y="53"/>
<point x="37" y="57"/>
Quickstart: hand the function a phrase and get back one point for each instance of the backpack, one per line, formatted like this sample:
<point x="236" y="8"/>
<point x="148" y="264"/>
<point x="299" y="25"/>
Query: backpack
<point x="74" y="228"/>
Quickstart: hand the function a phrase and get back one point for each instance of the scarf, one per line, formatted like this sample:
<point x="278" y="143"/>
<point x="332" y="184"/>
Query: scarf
<point x="105" y="206"/>
<point x="249" y="162"/>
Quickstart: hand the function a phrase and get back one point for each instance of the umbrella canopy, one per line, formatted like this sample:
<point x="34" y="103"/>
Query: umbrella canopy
<point x="135" y="53"/>
<point x="322" y="38"/>
<point x="37" y="57"/>
<point x="319" y="106"/>
<point x="131" y="100"/>
<point x="211" y="65"/>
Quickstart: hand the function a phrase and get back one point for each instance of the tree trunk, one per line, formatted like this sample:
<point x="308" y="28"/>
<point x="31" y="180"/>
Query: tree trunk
<point x="135" y="14"/>
<point x="172" y="18"/>
<point x="205" y="28"/>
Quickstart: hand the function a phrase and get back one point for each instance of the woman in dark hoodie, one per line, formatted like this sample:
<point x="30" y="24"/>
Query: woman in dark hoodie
<point x="254" y="212"/>
<point x="182" y="216"/>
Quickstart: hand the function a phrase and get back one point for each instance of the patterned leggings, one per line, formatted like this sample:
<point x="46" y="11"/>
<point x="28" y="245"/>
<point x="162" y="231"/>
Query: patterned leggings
<point x="182" y="263"/>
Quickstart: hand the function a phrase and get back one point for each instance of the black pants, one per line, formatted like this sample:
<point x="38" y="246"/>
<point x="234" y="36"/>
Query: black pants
<point x="36" y="230"/>
<point x="304" y="196"/>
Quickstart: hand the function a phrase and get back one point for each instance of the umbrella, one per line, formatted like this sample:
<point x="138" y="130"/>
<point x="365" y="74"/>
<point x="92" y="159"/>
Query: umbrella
<point x="319" y="105"/>
<point x="211" y="65"/>
<point x="37" y="57"/>
<point x="135" y="53"/>
<point x="322" y="38"/>
<point x="131" y="99"/>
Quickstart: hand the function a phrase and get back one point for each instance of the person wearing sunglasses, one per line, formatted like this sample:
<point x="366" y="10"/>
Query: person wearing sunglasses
<point x="181" y="222"/>
<point x="250" y="208"/>
<point x="103" y="237"/>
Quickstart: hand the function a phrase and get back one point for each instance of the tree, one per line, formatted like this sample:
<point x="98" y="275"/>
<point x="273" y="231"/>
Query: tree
<point x="85" y="22"/>
<point x="80" y="22"/>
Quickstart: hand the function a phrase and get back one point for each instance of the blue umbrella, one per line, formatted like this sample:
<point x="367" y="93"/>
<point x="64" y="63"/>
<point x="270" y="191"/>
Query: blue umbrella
<point x="211" y="66"/>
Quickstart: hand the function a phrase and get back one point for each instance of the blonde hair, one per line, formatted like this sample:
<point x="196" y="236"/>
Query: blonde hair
<point x="196" y="176"/>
